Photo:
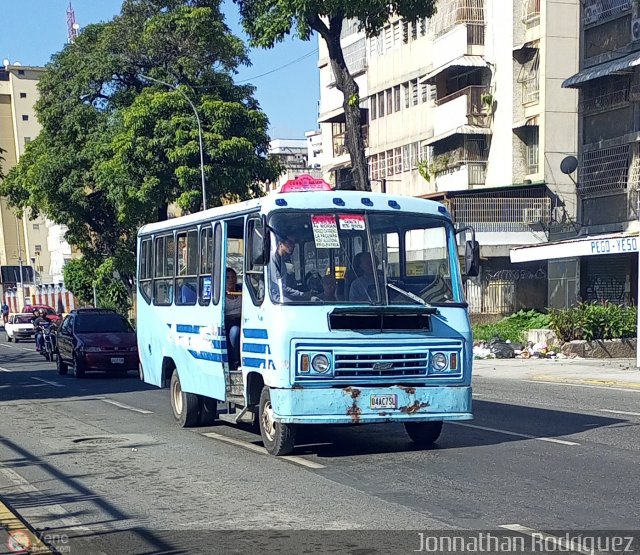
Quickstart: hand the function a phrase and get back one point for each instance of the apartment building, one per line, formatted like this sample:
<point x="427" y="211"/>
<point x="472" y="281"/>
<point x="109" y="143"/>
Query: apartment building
<point x="467" y="108"/>
<point x="598" y="260"/>
<point x="297" y="156"/>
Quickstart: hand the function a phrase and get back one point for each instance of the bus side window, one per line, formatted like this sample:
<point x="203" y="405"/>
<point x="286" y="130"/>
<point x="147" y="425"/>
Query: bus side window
<point x="164" y="266"/>
<point x="206" y="266"/>
<point x="255" y="260"/>
<point x="186" y="278"/>
<point x="217" y="261"/>
<point x="144" y="281"/>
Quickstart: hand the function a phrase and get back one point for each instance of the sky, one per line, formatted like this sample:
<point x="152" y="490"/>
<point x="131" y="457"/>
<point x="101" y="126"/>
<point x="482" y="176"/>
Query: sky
<point x="33" y="30"/>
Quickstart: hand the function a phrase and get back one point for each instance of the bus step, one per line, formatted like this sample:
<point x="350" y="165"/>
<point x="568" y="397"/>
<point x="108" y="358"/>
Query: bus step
<point x="242" y="417"/>
<point x="235" y="377"/>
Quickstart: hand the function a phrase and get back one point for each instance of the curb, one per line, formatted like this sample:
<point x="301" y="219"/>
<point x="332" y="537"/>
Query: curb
<point x="18" y="536"/>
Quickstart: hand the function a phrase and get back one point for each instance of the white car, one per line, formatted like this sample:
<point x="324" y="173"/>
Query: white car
<point x="19" y="327"/>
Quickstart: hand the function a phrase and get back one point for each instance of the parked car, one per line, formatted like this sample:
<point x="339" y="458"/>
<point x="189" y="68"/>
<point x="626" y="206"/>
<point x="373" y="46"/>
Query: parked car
<point x="50" y="313"/>
<point x="96" y="339"/>
<point x="19" y="326"/>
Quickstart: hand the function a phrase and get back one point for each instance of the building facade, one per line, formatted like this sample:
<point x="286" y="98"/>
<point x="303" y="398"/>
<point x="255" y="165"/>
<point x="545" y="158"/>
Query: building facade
<point x="467" y="108"/>
<point x="297" y="156"/>
<point x="596" y="259"/>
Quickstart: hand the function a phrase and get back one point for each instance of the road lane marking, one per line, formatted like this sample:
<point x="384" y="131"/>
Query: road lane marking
<point x="55" y="384"/>
<point x="262" y="451"/>
<point x="125" y="406"/>
<point x="5" y="369"/>
<point x="626" y="413"/>
<point x="506" y="432"/>
<point x="477" y="394"/>
<point x="588" y="385"/>
<point x="560" y="544"/>
<point x="20" y="348"/>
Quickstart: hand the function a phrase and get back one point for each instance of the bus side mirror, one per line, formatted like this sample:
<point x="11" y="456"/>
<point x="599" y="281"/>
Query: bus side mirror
<point x="472" y="258"/>
<point x="259" y="242"/>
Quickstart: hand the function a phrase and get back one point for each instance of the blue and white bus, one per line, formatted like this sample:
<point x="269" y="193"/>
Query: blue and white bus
<point x="309" y="306"/>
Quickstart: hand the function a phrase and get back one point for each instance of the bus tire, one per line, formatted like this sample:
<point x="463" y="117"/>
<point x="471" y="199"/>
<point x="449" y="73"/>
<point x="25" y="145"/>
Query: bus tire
<point x="184" y="405"/>
<point x="424" y="433"/>
<point x="278" y="438"/>
<point x="208" y="410"/>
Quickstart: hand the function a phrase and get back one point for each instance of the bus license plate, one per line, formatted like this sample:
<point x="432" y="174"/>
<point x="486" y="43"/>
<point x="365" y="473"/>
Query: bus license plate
<point x="117" y="360"/>
<point x="384" y="401"/>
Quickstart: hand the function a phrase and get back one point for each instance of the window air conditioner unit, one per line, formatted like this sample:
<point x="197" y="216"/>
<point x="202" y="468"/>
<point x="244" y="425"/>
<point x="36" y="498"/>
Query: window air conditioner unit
<point x="531" y="215"/>
<point x="635" y="29"/>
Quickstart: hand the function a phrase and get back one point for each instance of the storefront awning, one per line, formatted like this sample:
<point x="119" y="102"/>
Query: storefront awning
<point x="527" y="122"/>
<point x="461" y="61"/>
<point x="602" y="70"/>
<point x="461" y="130"/>
<point x="596" y="245"/>
<point x="530" y="44"/>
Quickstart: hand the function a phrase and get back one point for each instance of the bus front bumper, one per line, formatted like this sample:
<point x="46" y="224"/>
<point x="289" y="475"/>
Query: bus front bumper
<point x="360" y="405"/>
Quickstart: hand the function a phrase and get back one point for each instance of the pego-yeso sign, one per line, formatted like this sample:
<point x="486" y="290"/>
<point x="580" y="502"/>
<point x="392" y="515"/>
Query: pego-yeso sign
<point x="614" y="246"/>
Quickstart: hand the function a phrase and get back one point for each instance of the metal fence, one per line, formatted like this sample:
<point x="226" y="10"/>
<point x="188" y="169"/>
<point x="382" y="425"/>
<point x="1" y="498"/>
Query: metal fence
<point x="501" y="214"/>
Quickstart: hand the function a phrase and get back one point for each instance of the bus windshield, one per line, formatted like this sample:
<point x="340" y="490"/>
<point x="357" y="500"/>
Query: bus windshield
<point x="339" y="257"/>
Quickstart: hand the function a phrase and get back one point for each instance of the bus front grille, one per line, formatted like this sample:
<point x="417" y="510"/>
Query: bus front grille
<point x="385" y="365"/>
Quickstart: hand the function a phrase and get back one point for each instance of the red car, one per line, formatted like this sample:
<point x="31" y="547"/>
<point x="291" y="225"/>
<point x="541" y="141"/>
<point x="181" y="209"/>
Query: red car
<point x="96" y="339"/>
<point x="50" y="313"/>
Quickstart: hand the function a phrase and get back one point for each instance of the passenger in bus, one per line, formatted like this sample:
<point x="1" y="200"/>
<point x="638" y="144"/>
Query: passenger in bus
<point x="363" y="288"/>
<point x="232" y="314"/>
<point x="283" y="282"/>
<point x="329" y="286"/>
<point x="188" y="294"/>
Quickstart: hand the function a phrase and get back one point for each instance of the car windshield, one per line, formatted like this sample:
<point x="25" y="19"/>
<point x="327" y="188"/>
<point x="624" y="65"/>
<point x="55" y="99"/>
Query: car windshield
<point x="23" y="319"/>
<point x="365" y="257"/>
<point x="102" y="323"/>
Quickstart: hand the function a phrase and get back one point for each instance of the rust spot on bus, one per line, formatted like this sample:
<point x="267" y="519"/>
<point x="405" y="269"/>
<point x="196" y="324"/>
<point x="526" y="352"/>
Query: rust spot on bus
<point x="355" y="393"/>
<point x="354" y="411"/>
<point x="407" y="389"/>
<point x="415" y="407"/>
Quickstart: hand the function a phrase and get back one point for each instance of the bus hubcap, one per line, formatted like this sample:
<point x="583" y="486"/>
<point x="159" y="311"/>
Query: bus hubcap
<point x="177" y="397"/>
<point x="268" y="422"/>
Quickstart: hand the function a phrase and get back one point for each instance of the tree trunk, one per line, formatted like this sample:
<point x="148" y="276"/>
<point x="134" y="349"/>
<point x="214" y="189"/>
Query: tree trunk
<point x="163" y="212"/>
<point x="346" y="84"/>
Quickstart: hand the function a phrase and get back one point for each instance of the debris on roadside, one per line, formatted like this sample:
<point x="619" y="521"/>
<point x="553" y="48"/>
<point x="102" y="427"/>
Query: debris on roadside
<point x="497" y="348"/>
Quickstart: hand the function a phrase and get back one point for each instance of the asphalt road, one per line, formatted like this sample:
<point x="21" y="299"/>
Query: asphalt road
<point x="99" y="465"/>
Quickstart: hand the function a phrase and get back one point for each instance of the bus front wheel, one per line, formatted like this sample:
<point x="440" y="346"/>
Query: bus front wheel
<point x="278" y="438"/>
<point x="424" y="433"/>
<point x="184" y="405"/>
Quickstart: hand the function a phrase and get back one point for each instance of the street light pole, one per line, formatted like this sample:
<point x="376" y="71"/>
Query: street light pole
<point x="204" y="190"/>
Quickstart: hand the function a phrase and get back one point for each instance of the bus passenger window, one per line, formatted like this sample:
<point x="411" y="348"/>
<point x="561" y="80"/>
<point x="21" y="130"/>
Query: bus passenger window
<point x="255" y="260"/>
<point x="164" y="269"/>
<point x="186" y="282"/>
<point x="145" y="271"/>
<point x="206" y="266"/>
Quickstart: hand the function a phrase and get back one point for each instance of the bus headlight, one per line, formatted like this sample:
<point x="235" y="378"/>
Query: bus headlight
<point x="439" y="362"/>
<point x="320" y="363"/>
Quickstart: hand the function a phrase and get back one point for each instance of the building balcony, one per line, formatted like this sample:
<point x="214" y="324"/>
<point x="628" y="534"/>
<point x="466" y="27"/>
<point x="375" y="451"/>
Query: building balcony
<point x="461" y="176"/>
<point x="465" y="39"/>
<point x="466" y="107"/>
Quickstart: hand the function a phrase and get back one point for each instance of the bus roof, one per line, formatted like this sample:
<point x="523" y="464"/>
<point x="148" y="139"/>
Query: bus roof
<point x="334" y="200"/>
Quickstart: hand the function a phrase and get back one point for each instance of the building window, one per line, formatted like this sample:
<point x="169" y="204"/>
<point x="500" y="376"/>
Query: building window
<point x="23" y="95"/>
<point x="406" y="158"/>
<point x="382" y="165"/>
<point x="36" y="227"/>
<point x="389" y="94"/>
<point x="388" y="39"/>
<point x="396" y="98"/>
<point x="604" y="171"/>
<point x="529" y="78"/>
<point x="397" y="158"/>
<point x="433" y="93"/>
<point x="397" y="34"/>
<point x="27" y="140"/>
<point x="21" y="72"/>
<point x="373" y="108"/>
<point x="381" y="105"/>
<point x="414" y="30"/>
<point x="390" y="162"/>
<point x="424" y="92"/>
<point x="407" y="95"/>
<point x="414" y="92"/>
<point x="25" y="117"/>
<point x="415" y="154"/>
<point x="532" y="150"/>
<point x="373" y="167"/>
<point x="38" y="248"/>
<point x="405" y="31"/>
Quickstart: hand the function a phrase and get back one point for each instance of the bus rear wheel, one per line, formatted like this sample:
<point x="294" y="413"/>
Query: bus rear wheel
<point x="184" y="405"/>
<point x="278" y="438"/>
<point x="424" y="433"/>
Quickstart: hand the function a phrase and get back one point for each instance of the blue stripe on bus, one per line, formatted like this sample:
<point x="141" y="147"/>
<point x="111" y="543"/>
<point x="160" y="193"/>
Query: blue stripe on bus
<point x="219" y="344"/>
<point x="255" y="333"/>
<point x="253" y="362"/>
<point x="187" y="328"/>
<point x="256" y="348"/>
<point x="205" y="355"/>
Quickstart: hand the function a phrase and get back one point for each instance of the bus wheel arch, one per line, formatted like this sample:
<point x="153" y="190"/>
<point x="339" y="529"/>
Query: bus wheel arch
<point x="255" y="384"/>
<point x="185" y="406"/>
<point x="168" y="366"/>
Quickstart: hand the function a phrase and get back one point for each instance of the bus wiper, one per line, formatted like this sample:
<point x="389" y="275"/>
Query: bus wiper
<point x="409" y="295"/>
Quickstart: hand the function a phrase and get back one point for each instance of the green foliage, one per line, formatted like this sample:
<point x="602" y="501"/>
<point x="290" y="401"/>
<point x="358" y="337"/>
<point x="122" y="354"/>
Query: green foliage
<point x="83" y="274"/>
<point x="116" y="149"/>
<point x="512" y="328"/>
<point x="591" y="321"/>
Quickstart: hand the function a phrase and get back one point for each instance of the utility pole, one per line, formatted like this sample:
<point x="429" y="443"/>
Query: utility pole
<point x="20" y="281"/>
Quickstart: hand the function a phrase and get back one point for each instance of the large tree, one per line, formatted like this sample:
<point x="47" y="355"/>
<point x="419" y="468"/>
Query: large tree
<point x="117" y="148"/>
<point x="270" y="21"/>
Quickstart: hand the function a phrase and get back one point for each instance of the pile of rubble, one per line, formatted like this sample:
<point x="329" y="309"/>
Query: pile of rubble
<point x="497" y="348"/>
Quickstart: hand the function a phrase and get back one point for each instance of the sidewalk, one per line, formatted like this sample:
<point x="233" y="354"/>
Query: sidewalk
<point x="16" y="536"/>
<point x="616" y="373"/>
